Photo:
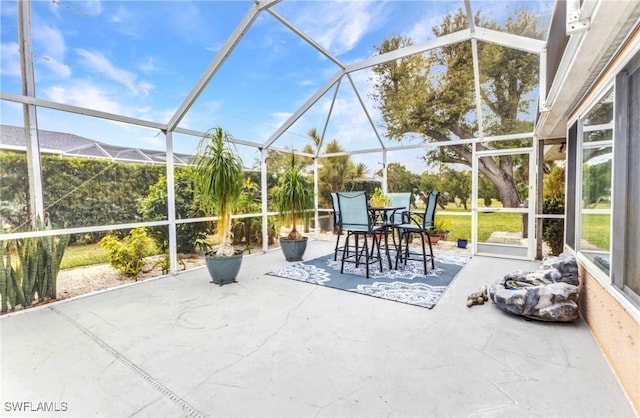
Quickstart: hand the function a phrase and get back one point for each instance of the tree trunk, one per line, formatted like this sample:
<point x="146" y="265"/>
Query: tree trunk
<point x="500" y="175"/>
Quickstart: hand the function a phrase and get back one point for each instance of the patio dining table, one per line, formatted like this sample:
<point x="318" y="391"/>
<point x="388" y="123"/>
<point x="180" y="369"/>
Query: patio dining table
<point x="385" y="215"/>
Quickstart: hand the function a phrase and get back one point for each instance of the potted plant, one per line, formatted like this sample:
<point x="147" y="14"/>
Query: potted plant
<point x="218" y="178"/>
<point x="292" y="197"/>
<point x="462" y="242"/>
<point x="439" y="231"/>
<point x="379" y="199"/>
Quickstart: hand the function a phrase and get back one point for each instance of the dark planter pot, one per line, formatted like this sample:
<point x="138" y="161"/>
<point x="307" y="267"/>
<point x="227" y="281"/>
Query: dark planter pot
<point x="223" y="270"/>
<point x="462" y="243"/>
<point x="292" y="249"/>
<point x="325" y="223"/>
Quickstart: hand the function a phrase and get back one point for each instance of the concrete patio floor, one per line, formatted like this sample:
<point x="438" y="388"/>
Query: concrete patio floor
<point x="266" y="346"/>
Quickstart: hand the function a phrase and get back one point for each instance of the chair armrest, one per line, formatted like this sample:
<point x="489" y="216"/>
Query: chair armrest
<point x="416" y="217"/>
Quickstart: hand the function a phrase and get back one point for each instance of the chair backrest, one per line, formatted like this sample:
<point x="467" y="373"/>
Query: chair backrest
<point x="399" y="199"/>
<point x="354" y="210"/>
<point x="430" y="210"/>
<point x="336" y="209"/>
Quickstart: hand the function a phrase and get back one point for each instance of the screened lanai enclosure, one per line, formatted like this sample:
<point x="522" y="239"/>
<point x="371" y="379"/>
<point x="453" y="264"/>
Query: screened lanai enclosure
<point x="104" y="104"/>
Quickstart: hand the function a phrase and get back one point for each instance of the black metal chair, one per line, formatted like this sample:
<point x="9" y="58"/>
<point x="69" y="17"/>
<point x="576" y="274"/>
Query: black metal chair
<point x="337" y="223"/>
<point x="358" y="223"/>
<point x="418" y="223"/>
<point x="402" y="199"/>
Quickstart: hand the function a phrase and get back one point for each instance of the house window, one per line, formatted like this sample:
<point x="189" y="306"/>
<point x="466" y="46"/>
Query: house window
<point x="595" y="184"/>
<point x="625" y="266"/>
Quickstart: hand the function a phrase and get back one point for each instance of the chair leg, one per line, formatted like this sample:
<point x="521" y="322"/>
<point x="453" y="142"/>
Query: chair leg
<point x="386" y="245"/>
<point x="398" y="246"/>
<point x="424" y="253"/>
<point x="433" y="263"/>
<point x="386" y="249"/>
<point x="366" y="255"/>
<point x="406" y="250"/>
<point x="335" y="251"/>
<point x="345" y="251"/>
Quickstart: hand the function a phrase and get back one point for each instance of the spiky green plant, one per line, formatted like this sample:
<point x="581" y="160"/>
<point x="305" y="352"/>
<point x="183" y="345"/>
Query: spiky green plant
<point x="218" y="182"/>
<point x="33" y="273"/>
<point x="293" y="196"/>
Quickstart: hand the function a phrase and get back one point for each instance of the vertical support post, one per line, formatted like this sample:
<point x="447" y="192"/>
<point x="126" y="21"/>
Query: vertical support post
<point x="384" y="171"/>
<point x="532" y="207"/>
<point x="263" y="193"/>
<point x="542" y="83"/>
<point x="30" y="115"/>
<point x="474" y="163"/>
<point x="171" y="206"/>
<point x="539" y="195"/>
<point x="316" y="199"/>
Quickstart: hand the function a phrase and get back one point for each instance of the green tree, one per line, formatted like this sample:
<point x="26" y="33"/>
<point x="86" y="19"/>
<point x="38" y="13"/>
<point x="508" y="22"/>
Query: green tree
<point x="413" y="97"/>
<point x="553" y="187"/>
<point x="154" y="208"/>
<point x="360" y="171"/>
<point x="218" y="177"/>
<point x="399" y="179"/>
<point x="293" y="196"/>
<point x="334" y="173"/>
<point x="457" y="183"/>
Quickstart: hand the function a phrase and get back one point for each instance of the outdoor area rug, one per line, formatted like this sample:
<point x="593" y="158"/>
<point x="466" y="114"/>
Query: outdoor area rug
<point x="408" y="284"/>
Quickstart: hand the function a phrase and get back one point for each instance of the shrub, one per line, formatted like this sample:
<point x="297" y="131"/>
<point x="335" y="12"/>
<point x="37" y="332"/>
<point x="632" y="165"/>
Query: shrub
<point x="553" y="229"/>
<point x="153" y="207"/>
<point x="127" y="255"/>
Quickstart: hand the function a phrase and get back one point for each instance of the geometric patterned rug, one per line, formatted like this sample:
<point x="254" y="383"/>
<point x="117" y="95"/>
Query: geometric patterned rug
<point x="408" y="284"/>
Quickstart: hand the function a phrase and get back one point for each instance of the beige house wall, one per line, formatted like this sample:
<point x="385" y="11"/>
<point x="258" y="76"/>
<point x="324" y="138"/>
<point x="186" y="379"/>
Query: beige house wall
<point x="616" y="331"/>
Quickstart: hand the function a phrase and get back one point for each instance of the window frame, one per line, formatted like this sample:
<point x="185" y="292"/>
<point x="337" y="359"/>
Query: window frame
<point x="620" y="252"/>
<point x="578" y="186"/>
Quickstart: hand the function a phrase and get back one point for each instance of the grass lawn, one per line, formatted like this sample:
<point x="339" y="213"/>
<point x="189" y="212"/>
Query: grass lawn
<point x="596" y="230"/>
<point x="83" y="255"/>
<point x="86" y="255"/>
<point x="459" y="226"/>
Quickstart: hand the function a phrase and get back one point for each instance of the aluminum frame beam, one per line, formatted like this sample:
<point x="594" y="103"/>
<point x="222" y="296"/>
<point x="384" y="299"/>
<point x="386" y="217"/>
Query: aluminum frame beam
<point x="441" y="41"/>
<point x="366" y="112"/>
<point x="30" y="116"/>
<point x="510" y="40"/>
<point x="306" y="38"/>
<point x="81" y="111"/>
<point x="302" y="109"/>
<point x="222" y="55"/>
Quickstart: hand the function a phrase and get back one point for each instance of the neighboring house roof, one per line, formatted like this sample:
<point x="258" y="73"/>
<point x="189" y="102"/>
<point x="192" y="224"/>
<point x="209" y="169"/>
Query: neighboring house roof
<point x="12" y="137"/>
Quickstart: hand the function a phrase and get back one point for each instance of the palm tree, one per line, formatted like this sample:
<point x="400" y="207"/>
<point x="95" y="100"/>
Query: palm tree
<point x="218" y="182"/>
<point x="360" y="171"/>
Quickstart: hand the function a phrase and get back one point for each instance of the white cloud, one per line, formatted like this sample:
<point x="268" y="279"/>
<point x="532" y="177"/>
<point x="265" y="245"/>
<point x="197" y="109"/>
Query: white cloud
<point x="83" y="94"/>
<point x="341" y="32"/>
<point x="49" y="49"/>
<point x="121" y="15"/>
<point x="97" y="63"/>
<point x="50" y="40"/>
<point x="10" y="59"/>
<point x="91" y="7"/>
<point x="147" y="66"/>
<point x="122" y="20"/>
<point x="145" y="87"/>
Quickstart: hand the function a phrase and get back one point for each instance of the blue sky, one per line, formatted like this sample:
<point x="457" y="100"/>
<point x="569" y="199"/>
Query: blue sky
<point x="142" y="58"/>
